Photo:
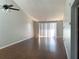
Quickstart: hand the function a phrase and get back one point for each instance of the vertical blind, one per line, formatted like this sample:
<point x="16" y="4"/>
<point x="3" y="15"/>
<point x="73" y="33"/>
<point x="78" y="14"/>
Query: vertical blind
<point x="47" y="29"/>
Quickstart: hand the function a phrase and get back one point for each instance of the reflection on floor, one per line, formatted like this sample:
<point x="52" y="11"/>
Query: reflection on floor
<point x="42" y="48"/>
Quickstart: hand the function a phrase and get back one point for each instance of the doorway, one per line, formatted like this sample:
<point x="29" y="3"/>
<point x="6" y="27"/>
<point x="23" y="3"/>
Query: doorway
<point x="74" y="29"/>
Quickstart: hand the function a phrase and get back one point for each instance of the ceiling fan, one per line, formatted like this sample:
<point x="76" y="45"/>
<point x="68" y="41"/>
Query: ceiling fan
<point x="7" y="7"/>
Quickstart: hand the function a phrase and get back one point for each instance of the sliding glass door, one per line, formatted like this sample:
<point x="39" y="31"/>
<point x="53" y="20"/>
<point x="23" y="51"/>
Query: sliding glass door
<point x="47" y="30"/>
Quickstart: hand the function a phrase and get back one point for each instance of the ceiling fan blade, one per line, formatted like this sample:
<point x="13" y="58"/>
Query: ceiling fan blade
<point x="10" y="6"/>
<point x="14" y="9"/>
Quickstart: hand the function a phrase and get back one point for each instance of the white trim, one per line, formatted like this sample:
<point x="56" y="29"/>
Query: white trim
<point x="16" y="42"/>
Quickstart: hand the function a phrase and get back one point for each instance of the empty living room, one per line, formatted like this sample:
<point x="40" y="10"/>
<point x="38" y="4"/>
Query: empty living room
<point x="38" y="29"/>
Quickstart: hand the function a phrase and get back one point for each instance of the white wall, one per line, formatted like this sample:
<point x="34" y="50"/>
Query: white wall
<point x="60" y="29"/>
<point x="72" y="1"/>
<point x="67" y="39"/>
<point x="68" y="5"/>
<point x="36" y="29"/>
<point x="14" y="25"/>
<point x="67" y="27"/>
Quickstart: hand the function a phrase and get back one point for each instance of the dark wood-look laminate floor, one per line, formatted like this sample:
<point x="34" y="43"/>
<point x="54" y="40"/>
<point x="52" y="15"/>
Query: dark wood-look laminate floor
<point x="42" y="48"/>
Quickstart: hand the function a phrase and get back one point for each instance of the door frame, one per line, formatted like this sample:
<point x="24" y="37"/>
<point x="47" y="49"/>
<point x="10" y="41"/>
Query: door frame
<point x="74" y="29"/>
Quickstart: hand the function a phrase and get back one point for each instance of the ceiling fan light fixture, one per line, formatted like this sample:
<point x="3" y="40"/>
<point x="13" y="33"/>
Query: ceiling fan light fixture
<point x="5" y="6"/>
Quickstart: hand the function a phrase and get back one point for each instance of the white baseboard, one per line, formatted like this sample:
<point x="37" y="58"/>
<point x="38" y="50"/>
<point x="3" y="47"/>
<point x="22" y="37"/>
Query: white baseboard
<point x="25" y="38"/>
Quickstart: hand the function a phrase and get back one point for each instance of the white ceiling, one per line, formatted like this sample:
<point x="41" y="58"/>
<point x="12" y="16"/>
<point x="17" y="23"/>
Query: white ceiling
<point x="43" y="9"/>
